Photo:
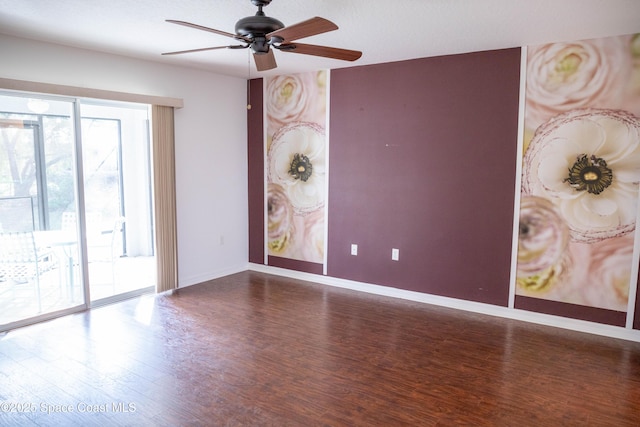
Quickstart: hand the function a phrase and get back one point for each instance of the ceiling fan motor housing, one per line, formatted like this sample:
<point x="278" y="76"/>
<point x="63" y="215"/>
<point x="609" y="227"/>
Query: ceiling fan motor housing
<point x="257" y="26"/>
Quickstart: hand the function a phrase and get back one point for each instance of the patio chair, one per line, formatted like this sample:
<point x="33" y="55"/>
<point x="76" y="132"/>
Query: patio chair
<point x="21" y="262"/>
<point x="69" y="222"/>
<point x="104" y="239"/>
<point x="98" y="235"/>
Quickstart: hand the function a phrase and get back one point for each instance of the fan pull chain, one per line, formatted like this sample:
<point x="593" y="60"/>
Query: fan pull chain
<point x="249" y="79"/>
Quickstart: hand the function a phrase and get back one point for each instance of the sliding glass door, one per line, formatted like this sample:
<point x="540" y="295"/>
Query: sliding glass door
<point x="75" y="205"/>
<point x="38" y="265"/>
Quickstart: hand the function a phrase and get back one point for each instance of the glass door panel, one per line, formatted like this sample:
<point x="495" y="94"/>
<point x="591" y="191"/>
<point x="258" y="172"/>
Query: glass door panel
<point x="117" y="188"/>
<point x="39" y="262"/>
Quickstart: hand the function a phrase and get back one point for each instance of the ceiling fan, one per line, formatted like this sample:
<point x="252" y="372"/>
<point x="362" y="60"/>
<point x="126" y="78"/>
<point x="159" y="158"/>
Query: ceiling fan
<point x="262" y="33"/>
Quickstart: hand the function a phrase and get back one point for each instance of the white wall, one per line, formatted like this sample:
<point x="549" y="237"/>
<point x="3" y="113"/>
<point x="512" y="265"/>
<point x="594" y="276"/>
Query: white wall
<point x="211" y="153"/>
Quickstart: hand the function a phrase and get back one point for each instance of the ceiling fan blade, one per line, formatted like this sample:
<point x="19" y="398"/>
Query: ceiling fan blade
<point x="303" y="29"/>
<point x="211" y="30"/>
<point x="265" y="61"/>
<point x="326" y="51"/>
<point x="203" y="49"/>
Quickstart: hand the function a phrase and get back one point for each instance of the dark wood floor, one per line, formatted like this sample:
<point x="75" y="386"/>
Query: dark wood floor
<point x="253" y="349"/>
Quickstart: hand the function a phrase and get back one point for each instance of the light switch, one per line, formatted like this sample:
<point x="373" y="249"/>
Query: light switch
<point x="395" y="254"/>
<point x="354" y="249"/>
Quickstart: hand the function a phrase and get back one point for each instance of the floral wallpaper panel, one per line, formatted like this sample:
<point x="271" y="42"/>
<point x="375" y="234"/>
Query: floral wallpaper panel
<point x="581" y="172"/>
<point x="296" y="111"/>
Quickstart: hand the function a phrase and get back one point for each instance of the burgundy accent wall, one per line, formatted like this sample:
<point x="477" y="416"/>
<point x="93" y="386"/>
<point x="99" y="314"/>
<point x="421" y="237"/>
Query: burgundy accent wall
<point x="572" y="311"/>
<point x="255" y="138"/>
<point x="294" y="264"/>
<point x="636" y="319"/>
<point x="423" y="158"/>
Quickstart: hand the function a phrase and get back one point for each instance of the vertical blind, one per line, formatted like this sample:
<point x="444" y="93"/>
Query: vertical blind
<point x="164" y="178"/>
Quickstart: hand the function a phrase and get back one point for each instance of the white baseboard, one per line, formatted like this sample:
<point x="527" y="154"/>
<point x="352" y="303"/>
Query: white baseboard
<point x="475" y="307"/>
<point x="183" y="282"/>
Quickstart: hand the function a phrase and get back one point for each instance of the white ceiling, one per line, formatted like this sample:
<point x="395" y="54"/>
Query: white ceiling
<point x="383" y="30"/>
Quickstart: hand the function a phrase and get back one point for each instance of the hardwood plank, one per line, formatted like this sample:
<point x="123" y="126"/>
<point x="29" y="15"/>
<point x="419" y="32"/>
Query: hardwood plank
<point x="255" y="349"/>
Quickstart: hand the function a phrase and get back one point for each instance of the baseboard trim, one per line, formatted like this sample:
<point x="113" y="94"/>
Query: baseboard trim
<point x="194" y="280"/>
<point x="475" y="307"/>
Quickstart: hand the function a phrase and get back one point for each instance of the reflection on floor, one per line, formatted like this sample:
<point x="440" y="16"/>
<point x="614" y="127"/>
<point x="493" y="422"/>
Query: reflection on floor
<point x="61" y="288"/>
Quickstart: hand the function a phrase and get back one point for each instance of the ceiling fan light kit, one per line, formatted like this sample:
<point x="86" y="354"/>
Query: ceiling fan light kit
<point x="263" y="34"/>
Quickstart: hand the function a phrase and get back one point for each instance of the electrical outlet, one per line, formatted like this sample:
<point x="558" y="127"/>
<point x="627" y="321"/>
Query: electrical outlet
<point x="354" y="249"/>
<point x="395" y="254"/>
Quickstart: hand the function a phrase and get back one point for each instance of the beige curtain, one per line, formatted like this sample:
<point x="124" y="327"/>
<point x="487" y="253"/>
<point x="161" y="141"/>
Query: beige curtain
<point x="164" y="189"/>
